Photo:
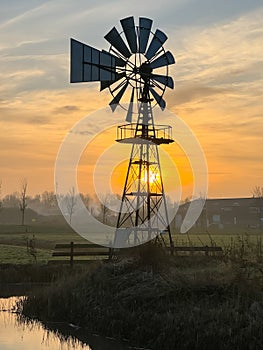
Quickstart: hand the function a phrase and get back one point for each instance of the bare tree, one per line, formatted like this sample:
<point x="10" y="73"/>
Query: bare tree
<point x="108" y="205"/>
<point x="23" y="200"/>
<point x="11" y="200"/>
<point x="258" y="195"/>
<point x="49" y="199"/>
<point x="1" y="202"/>
<point x="87" y="200"/>
<point x="105" y="200"/>
<point x="257" y="192"/>
<point x="71" y="202"/>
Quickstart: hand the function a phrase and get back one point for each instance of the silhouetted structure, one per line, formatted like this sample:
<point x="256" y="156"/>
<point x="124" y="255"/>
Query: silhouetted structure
<point x="128" y="69"/>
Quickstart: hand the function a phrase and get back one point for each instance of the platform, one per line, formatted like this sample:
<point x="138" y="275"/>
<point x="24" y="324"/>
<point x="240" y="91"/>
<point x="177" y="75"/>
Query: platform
<point x="133" y="133"/>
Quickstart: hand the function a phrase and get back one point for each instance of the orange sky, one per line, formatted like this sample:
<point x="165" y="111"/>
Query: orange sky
<point x="218" y="93"/>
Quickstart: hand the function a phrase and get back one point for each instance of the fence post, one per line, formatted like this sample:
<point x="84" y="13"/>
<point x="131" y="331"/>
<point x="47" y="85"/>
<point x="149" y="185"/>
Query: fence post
<point x="206" y="250"/>
<point x="71" y="253"/>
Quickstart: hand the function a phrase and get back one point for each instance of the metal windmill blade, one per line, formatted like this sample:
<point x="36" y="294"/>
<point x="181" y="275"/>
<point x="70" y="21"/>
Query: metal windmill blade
<point x="145" y="25"/>
<point x="158" y="40"/>
<point x="130" y="109"/>
<point x="106" y="84"/>
<point x="163" y="79"/>
<point x="114" y="38"/>
<point x="129" y="29"/>
<point x="164" y="60"/>
<point x="115" y="101"/>
<point x="158" y="98"/>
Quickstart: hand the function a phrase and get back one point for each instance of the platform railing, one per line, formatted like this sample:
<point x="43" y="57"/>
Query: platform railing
<point x="128" y="131"/>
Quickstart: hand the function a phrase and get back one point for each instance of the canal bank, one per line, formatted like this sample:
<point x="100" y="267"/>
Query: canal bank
<point x="21" y="333"/>
<point x="161" y="303"/>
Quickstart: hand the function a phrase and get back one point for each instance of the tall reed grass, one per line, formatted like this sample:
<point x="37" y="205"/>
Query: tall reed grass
<point x="188" y="302"/>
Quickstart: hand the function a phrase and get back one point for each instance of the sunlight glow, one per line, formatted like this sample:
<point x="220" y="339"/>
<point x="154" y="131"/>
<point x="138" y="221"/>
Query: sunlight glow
<point x="154" y="177"/>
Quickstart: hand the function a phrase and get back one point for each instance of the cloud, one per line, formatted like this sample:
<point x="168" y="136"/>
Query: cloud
<point x="219" y="77"/>
<point x="14" y="117"/>
<point x="42" y="47"/>
<point x="66" y="109"/>
<point x="202" y="13"/>
<point x="193" y="92"/>
<point x="222" y="50"/>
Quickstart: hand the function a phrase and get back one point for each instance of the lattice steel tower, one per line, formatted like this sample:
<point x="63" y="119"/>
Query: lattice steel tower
<point x="128" y="70"/>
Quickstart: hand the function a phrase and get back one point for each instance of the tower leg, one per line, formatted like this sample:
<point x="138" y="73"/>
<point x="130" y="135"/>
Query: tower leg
<point x="143" y="213"/>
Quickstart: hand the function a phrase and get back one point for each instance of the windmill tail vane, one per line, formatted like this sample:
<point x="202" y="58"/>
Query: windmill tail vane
<point x="134" y="69"/>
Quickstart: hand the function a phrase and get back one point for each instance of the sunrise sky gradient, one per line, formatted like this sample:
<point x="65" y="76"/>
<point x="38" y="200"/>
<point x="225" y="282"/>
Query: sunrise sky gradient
<point x="218" y="82"/>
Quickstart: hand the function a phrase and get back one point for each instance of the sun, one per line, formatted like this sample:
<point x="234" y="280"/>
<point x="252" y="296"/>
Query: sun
<point x="153" y="177"/>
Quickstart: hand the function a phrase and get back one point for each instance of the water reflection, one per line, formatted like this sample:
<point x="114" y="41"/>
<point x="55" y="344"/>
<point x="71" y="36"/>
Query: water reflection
<point x="18" y="334"/>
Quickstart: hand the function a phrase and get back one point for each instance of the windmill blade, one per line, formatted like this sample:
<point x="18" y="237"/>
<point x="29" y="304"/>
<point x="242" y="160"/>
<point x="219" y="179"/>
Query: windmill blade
<point x="105" y="84"/>
<point x="163" y="79"/>
<point x="158" y="98"/>
<point x="114" y="38"/>
<point x="115" y="101"/>
<point x="158" y="40"/>
<point x="164" y="60"/>
<point x="130" y="33"/>
<point x="145" y="25"/>
<point x="118" y="61"/>
<point x="130" y="109"/>
<point x="90" y="64"/>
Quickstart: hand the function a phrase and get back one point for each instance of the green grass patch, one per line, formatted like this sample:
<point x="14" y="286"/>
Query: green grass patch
<point x="20" y="255"/>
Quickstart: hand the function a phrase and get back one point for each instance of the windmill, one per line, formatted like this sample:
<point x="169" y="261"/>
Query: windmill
<point x="134" y="67"/>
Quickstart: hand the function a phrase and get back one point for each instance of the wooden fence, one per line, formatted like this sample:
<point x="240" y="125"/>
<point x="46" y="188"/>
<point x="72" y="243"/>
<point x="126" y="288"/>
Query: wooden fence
<point x="89" y="252"/>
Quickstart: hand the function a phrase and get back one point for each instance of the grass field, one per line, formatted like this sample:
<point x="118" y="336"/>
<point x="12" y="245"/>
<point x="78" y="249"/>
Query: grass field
<point x="14" y="241"/>
<point x="11" y="254"/>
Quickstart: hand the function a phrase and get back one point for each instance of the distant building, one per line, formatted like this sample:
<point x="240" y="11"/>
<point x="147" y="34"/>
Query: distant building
<point x="227" y="212"/>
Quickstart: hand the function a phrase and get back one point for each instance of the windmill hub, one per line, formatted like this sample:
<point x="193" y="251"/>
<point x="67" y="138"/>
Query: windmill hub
<point x="145" y="70"/>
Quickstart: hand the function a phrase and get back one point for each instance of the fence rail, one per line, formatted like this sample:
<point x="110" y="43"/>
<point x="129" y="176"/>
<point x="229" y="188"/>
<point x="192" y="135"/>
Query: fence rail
<point x="73" y="250"/>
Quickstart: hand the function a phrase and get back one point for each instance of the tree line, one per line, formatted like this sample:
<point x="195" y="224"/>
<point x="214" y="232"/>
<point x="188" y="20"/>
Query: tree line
<point x="46" y="203"/>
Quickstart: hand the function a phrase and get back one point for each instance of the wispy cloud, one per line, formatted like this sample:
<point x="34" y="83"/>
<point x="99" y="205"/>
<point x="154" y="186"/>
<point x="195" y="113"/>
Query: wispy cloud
<point x="66" y="109"/>
<point x="191" y="92"/>
<point x="222" y="53"/>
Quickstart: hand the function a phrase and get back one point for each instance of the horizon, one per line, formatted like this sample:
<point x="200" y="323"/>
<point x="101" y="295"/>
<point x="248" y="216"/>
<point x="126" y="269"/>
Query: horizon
<point x="94" y="196"/>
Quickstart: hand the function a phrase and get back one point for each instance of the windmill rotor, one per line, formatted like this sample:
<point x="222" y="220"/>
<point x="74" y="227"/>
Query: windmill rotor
<point x="136" y="58"/>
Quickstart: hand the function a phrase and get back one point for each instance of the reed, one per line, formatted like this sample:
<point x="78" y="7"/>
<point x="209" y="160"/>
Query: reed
<point x="185" y="303"/>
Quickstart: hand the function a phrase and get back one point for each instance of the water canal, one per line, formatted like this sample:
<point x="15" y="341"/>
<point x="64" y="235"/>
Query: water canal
<point x="17" y="333"/>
